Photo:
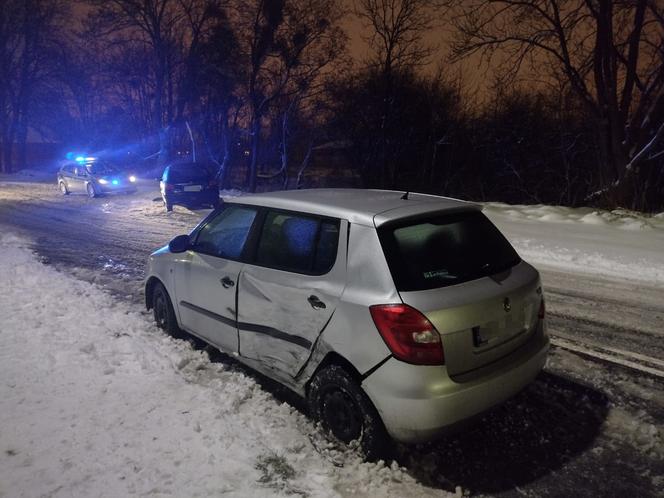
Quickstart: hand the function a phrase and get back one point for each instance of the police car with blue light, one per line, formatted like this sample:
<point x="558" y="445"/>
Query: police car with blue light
<point x="94" y="177"/>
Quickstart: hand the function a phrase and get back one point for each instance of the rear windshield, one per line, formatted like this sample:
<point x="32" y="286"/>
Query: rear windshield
<point x="186" y="173"/>
<point x="446" y="249"/>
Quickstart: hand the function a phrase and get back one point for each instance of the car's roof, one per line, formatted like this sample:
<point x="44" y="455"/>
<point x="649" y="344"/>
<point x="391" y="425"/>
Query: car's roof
<point x="366" y="207"/>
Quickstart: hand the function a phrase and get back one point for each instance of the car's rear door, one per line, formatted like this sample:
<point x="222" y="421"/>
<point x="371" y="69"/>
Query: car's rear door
<point x="207" y="276"/>
<point x="288" y="294"/>
<point x="66" y="175"/>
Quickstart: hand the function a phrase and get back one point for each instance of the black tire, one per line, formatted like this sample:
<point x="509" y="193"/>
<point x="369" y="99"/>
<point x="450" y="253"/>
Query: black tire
<point x="169" y="206"/>
<point x="163" y="312"/>
<point x="90" y="188"/>
<point x="63" y="188"/>
<point x="344" y="410"/>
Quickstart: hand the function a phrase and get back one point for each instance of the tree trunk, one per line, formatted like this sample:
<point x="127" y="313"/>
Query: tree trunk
<point x="284" y="147"/>
<point x="21" y="145"/>
<point x="8" y="152"/>
<point x="304" y="164"/>
<point x="224" y="169"/>
<point x="164" y="146"/>
<point x="252" y="172"/>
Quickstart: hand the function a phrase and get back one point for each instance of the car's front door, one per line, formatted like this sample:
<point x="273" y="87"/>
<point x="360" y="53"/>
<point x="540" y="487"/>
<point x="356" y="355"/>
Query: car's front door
<point x="287" y="296"/>
<point x="79" y="179"/>
<point x="206" y="279"/>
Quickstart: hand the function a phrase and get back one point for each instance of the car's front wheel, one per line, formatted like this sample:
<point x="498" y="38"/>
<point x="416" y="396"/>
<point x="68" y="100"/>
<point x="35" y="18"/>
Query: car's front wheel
<point x="63" y="188"/>
<point x="92" y="193"/>
<point x="163" y="312"/>
<point x="342" y="407"/>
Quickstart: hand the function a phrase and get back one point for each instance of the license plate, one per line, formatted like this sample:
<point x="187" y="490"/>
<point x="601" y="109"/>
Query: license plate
<point x="192" y="188"/>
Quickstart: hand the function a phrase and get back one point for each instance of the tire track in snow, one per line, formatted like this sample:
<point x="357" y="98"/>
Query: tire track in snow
<point x="628" y="359"/>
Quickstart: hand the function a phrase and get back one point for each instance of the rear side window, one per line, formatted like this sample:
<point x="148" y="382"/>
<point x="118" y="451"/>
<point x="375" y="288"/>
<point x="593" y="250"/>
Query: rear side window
<point x="226" y="234"/>
<point x="443" y="250"/>
<point x="298" y="243"/>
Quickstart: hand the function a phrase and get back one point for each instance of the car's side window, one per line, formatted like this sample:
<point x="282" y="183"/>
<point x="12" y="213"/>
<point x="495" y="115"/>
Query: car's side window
<point x="226" y="234"/>
<point x="298" y="243"/>
<point x="326" y="250"/>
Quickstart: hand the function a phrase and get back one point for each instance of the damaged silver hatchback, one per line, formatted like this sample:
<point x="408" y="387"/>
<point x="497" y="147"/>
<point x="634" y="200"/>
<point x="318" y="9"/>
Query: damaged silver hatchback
<point x="392" y="314"/>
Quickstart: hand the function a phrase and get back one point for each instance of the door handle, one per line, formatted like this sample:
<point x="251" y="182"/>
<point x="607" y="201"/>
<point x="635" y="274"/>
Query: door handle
<point x="316" y="303"/>
<point x="227" y="282"/>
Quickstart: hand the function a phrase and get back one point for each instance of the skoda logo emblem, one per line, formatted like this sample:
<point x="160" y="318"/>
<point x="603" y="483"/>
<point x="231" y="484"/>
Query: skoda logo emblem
<point x="507" y="305"/>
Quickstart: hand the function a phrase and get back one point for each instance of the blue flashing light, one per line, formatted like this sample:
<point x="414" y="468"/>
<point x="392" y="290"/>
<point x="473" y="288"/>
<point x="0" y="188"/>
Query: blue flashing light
<point x="114" y="182"/>
<point x="80" y="159"/>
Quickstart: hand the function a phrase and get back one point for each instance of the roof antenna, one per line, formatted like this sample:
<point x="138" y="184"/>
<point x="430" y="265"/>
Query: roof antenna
<point x="405" y="196"/>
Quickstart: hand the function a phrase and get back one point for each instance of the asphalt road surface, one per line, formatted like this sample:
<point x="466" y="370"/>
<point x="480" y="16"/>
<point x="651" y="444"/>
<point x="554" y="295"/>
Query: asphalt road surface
<point x="591" y="425"/>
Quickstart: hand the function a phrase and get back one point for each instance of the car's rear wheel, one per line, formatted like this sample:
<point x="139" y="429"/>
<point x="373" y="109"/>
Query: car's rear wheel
<point x="163" y="312"/>
<point x="92" y="193"/>
<point x="342" y="407"/>
<point x="169" y="206"/>
<point x="63" y="188"/>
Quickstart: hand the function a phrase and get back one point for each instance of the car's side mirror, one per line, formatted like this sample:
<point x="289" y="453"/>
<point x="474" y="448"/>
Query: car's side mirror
<point x="181" y="243"/>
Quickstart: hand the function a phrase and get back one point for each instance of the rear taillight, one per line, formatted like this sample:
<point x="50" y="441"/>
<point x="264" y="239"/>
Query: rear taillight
<point x="409" y="335"/>
<point x="169" y="187"/>
<point x="542" y="310"/>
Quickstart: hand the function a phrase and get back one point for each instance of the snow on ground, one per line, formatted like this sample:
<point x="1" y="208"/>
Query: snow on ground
<point x="96" y="401"/>
<point x="618" y="244"/>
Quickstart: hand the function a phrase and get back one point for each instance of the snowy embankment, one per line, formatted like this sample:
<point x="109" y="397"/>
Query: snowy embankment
<point x="95" y="401"/>
<point x="616" y="244"/>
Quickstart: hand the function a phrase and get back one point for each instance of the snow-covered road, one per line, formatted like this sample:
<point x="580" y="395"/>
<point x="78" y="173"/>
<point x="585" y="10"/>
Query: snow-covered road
<point x="591" y="424"/>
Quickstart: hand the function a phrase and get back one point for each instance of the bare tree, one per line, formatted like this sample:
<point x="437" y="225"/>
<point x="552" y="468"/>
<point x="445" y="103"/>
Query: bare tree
<point x="150" y="26"/>
<point x="610" y="53"/>
<point x="287" y="45"/>
<point x="28" y="35"/>
<point x="395" y="34"/>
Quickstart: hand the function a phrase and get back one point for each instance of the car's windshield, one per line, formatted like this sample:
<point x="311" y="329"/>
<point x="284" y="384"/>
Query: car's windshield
<point x="444" y="249"/>
<point x="101" y="168"/>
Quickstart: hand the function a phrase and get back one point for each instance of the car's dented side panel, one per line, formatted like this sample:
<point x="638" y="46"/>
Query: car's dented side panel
<point x="277" y="324"/>
<point x="351" y="332"/>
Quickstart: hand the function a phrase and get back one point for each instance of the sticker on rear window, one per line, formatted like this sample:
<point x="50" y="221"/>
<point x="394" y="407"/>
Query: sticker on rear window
<point x="438" y="274"/>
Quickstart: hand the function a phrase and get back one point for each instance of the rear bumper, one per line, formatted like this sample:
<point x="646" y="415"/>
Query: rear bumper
<point x="418" y="403"/>
<point x="191" y="199"/>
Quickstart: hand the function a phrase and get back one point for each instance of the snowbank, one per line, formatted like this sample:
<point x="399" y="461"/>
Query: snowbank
<point x="618" y="244"/>
<point x="95" y="401"/>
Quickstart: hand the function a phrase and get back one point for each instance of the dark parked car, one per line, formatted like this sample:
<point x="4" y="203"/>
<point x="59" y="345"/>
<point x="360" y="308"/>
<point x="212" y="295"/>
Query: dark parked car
<point x="94" y="178"/>
<point x="189" y="184"/>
